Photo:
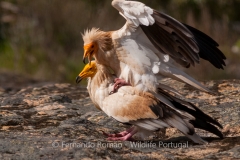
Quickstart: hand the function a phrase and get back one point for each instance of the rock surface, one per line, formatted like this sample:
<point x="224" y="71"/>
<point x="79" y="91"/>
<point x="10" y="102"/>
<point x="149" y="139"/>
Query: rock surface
<point x="40" y="120"/>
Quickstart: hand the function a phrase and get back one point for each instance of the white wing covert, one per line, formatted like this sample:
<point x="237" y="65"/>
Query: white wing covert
<point x="134" y="48"/>
<point x="135" y="13"/>
<point x="183" y="43"/>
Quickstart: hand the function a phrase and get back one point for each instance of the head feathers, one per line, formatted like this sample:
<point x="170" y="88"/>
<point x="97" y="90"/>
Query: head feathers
<point x="103" y="39"/>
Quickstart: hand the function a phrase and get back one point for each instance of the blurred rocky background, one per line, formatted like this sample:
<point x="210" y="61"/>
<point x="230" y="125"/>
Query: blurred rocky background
<point x="42" y="38"/>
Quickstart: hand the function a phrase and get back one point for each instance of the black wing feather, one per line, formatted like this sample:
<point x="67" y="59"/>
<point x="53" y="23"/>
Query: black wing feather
<point x="202" y="120"/>
<point x="185" y="44"/>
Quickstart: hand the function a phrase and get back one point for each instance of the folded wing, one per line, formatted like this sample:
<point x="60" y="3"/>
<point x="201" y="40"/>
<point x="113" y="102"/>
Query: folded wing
<point x="144" y="110"/>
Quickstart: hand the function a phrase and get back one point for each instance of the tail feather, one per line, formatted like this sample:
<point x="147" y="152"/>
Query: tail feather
<point x="185" y="127"/>
<point x="180" y="114"/>
<point x="170" y="89"/>
<point x="179" y="75"/>
<point x="198" y="123"/>
<point x="199" y="120"/>
<point x="197" y="139"/>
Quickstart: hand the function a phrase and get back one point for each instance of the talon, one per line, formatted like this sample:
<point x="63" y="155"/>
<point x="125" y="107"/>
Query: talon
<point x="112" y="135"/>
<point x="111" y="92"/>
<point x="122" y="137"/>
<point x="125" y="134"/>
<point x="119" y="83"/>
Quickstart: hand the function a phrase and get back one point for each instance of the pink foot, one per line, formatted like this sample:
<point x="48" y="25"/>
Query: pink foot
<point x="127" y="137"/>
<point x="120" y="139"/>
<point x="119" y="83"/>
<point x="121" y="134"/>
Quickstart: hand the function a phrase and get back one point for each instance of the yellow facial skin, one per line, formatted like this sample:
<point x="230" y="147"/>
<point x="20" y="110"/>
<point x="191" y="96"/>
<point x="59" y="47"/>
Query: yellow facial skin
<point x="89" y="50"/>
<point x="89" y="70"/>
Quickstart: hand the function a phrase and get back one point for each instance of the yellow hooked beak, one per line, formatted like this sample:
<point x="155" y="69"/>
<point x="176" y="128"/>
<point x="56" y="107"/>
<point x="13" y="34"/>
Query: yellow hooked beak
<point x="88" y="71"/>
<point x="89" y="50"/>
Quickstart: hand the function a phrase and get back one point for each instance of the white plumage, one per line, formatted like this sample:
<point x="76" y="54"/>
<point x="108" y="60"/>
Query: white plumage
<point x="143" y="50"/>
<point x="142" y="109"/>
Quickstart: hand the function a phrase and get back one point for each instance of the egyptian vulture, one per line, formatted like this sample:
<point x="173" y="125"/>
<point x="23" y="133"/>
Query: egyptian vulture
<point x="142" y="109"/>
<point x="142" y="52"/>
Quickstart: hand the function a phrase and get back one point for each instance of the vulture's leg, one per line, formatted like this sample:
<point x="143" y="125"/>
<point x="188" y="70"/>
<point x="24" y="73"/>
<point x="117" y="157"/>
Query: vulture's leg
<point x="119" y="83"/>
<point x="127" y="137"/>
<point x="121" y="134"/>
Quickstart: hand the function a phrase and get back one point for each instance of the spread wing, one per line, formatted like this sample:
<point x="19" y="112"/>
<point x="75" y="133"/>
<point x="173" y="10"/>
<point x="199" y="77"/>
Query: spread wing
<point x="163" y="34"/>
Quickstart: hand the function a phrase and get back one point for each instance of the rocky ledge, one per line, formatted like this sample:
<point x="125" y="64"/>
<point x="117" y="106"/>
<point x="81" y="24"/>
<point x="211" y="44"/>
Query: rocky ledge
<point x="40" y="120"/>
